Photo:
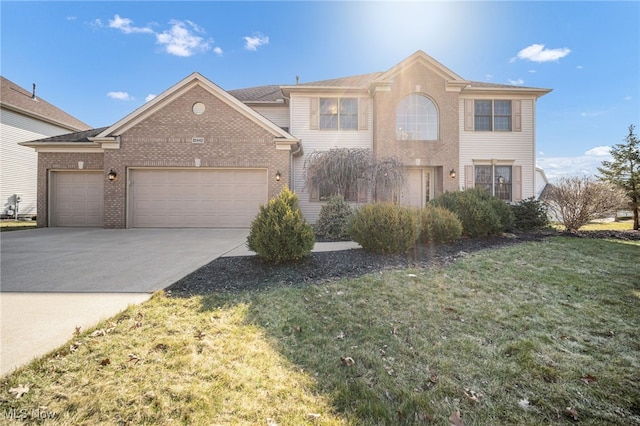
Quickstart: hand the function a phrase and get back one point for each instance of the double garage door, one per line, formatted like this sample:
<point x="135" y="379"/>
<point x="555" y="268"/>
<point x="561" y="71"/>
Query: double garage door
<point x="163" y="198"/>
<point x="200" y="198"/>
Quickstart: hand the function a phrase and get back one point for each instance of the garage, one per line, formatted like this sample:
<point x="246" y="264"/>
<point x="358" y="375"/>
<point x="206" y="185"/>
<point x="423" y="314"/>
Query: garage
<point x="195" y="198"/>
<point x="76" y="198"/>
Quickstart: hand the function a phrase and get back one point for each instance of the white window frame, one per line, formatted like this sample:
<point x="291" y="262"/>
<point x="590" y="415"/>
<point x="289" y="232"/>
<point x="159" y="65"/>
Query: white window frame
<point x="410" y="125"/>
<point x="493" y="115"/>
<point x="339" y="117"/>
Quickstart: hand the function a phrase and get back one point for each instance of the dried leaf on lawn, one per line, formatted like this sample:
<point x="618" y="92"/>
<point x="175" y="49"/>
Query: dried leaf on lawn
<point x="97" y="333"/>
<point x="134" y="358"/>
<point x="199" y="335"/>
<point x="347" y="361"/>
<point x="588" y="379"/>
<point x="455" y="419"/>
<point x="473" y="396"/>
<point x="571" y="412"/>
<point x="105" y="361"/>
<point x="19" y="390"/>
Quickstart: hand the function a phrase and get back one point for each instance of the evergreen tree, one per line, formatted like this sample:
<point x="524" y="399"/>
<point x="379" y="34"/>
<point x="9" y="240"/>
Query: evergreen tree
<point x="624" y="171"/>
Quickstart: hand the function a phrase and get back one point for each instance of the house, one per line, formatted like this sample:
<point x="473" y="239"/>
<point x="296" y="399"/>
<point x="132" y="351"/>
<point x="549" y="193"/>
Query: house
<point x="200" y="156"/>
<point x="24" y="117"/>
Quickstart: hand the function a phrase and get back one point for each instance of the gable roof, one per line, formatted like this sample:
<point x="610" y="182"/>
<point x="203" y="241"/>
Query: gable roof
<point x="15" y="98"/>
<point x="191" y="81"/>
<point x="260" y="94"/>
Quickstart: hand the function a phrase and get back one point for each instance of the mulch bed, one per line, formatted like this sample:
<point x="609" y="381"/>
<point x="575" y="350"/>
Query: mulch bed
<point x="235" y="274"/>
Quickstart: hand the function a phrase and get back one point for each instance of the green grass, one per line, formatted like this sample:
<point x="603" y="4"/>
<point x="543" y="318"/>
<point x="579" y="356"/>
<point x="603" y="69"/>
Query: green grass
<point x="622" y="225"/>
<point x="16" y="225"/>
<point x="506" y="336"/>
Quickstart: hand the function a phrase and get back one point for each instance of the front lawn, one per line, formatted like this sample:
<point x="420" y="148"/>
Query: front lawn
<point x="536" y="333"/>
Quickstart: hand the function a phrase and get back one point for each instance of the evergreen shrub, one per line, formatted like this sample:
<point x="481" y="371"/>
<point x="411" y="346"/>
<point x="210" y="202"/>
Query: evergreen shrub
<point x="385" y="228"/>
<point x="279" y="232"/>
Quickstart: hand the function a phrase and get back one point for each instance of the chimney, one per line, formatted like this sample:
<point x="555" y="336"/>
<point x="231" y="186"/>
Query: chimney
<point x="33" y="94"/>
<point x="297" y="79"/>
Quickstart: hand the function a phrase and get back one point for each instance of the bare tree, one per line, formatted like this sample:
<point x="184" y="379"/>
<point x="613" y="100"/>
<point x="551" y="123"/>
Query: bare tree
<point x="576" y="201"/>
<point x="343" y="169"/>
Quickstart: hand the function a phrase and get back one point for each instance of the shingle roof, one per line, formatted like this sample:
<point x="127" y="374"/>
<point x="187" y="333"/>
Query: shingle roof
<point x="484" y="84"/>
<point x="270" y="93"/>
<point x="15" y="97"/>
<point x="76" y="137"/>
<point x="362" y="80"/>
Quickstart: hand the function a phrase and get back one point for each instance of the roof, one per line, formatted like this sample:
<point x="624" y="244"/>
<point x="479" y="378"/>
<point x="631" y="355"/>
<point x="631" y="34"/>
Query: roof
<point x="362" y="80"/>
<point x="76" y="137"/>
<point x="20" y="100"/>
<point x="259" y="94"/>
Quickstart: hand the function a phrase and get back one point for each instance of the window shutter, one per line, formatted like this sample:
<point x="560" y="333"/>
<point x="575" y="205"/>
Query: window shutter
<point x="313" y="113"/>
<point x="468" y="115"/>
<point x="362" y="191"/>
<point x="363" y="114"/>
<point x="517" y="183"/>
<point x="468" y="177"/>
<point x="517" y="116"/>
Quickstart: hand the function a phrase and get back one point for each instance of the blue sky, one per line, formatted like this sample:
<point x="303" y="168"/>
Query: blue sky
<point x="101" y="60"/>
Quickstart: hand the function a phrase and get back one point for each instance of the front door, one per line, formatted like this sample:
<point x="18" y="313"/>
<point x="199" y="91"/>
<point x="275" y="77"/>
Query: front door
<point x="418" y="188"/>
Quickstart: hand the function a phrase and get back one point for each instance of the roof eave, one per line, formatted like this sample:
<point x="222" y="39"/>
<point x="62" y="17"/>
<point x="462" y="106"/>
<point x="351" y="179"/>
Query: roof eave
<point x="40" y="117"/>
<point x="537" y="92"/>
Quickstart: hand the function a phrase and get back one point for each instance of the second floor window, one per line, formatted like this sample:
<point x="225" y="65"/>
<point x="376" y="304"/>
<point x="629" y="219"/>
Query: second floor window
<point x="338" y="113"/>
<point x="416" y="118"/>
<point x="492" y="115"/>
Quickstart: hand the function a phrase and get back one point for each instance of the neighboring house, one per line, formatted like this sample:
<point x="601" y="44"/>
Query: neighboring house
<point x="541" y="182"/>
<point x="24" y="117"/>
<point x="199" y="156"/>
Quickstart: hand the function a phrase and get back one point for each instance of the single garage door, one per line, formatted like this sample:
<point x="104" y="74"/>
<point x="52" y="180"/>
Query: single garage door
<point x="196" y="198"/>
<point x="76" y="199"/>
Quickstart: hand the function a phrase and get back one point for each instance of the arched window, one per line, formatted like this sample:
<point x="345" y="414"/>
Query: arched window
<point x="417" y="118"/>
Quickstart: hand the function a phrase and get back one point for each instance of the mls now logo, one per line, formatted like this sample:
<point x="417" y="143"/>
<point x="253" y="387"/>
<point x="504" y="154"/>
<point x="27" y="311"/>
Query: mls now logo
<point x="24" y="414"/>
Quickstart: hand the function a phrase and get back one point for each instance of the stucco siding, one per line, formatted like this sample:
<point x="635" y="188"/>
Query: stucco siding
<point x="319" y="140"/>
<point x="19" y="164"/>
<point x="518" y="147"/>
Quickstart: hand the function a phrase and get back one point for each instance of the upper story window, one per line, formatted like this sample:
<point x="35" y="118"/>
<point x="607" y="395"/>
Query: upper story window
<point x="416" y="118"/>
<point x="338" y="113"/>
<point x="492" y="115"/>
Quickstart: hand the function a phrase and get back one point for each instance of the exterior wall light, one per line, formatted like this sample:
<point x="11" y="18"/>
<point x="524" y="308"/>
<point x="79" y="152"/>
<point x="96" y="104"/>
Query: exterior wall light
<point x="452" y="173"/>
<point x="112" y="175"/>
<point x="278" y="176"/>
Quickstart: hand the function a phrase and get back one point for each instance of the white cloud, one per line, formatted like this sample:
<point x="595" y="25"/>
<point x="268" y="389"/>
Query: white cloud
<point x="582" y="165"/>
<point x="579" y="67"/>
<point x="537" y="53"/>
<point x="252" y="43"/>
<point x="627" y="98"/>
<point x="488" y="76"/>
<point x="149" y="97"/>
<point x="598" y="151"/>
<point x="121" y="96"/>
<point x="217" y="51"/>
<point x="532" y="71"/>
<point x="126" y="26"/>
<point x="180" y="40"/>
<point x="518" y="82"/>
<point x="71" y="18"/>
<point x="593" y="113"/>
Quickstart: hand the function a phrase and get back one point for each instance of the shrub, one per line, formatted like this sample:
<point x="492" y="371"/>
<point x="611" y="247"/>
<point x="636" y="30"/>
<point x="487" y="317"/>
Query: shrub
<point x="279" y="232"/>
<point x="438" y="225"/>
<point x="481" y="213"/>
<point x="529" y="215"/>
<point x="333" y="222"/>
<point x="578" y="200"/>
<point x="385" y="228"/>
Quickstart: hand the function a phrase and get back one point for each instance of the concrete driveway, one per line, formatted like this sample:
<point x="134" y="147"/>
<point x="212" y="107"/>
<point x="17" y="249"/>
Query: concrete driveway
<point x="54" y="279"/>
<point x="88" y="260"/>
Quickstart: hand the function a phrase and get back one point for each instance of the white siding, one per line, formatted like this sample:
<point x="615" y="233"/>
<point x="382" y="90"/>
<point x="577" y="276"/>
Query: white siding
<point x="518" y="147"/>
<point x="278" y="115"/>
<point x="314" y="140"/>
<point x="19" y="164"/>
